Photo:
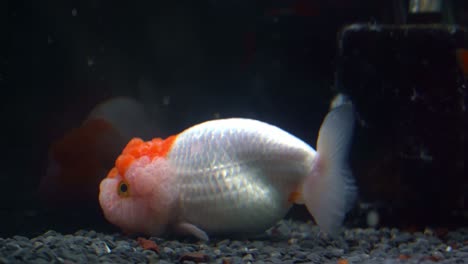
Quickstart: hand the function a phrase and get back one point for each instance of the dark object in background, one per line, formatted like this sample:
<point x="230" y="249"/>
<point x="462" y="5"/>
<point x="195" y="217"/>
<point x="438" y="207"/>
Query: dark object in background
<point x="410" y="95"/>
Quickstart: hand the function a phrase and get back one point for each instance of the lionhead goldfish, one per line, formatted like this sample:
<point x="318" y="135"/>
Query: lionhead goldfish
<point x="230" y="175"/>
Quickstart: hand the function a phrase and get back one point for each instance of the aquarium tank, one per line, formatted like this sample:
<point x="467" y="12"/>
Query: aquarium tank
<point x="283" y="131"/>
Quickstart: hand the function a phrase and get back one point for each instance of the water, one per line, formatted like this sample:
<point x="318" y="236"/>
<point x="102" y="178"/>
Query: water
<point x="273" y="61"/>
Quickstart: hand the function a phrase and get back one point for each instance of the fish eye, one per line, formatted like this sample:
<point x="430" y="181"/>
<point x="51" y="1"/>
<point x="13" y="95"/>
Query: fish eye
<point x="122" y="189"/>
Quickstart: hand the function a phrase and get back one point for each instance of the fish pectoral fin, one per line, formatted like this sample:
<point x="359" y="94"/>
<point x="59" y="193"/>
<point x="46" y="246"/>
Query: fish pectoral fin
<point x="187" y="228"/>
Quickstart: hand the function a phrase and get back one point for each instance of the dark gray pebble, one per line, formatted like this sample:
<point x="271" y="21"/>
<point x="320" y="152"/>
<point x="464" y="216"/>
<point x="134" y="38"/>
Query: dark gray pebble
<point x="235" y="260"/>
<point x="296" y="242"/>
<point x="236" y="244"/>
<point x="334" y="253"/>
<point x="162" y="261"/>
<point x="308" y="244"/>
<point x="248" y="257"/>
<point x="402" y="238"/>
<point x="276" y="260"/>
<point x="300" y="255"/>
<point x="223" y="242"/>
<point x="464" y="249"/>
<point x="257" y="244"/>
<point x="314" y="257"/>
<point x="360" y="258"/>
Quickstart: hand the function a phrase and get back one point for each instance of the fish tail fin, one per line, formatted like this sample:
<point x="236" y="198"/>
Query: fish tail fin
<point x="329" y="191"/>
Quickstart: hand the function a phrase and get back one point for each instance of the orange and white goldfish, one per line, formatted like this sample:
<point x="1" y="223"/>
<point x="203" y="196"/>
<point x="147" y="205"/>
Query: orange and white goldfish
<point x="230" y="175"/>
<point x="79" y="160"/>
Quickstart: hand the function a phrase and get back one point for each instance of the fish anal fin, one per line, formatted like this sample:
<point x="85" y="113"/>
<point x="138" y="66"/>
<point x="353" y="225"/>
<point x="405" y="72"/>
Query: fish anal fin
<point x="190" y="229"/>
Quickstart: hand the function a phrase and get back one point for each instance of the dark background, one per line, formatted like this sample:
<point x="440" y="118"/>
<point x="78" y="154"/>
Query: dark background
<point x="271" y="60"/>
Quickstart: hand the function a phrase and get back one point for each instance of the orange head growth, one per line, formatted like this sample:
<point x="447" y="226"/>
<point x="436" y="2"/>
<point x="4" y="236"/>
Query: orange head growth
<point x="137" y="148"/>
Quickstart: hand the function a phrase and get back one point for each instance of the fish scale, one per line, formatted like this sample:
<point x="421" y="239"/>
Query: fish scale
<point x="249" y="154"/>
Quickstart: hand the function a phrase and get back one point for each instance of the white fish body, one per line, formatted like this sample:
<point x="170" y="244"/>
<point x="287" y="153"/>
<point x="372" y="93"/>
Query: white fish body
<point x="236" y="175"/>
<point x="241" y="175"/>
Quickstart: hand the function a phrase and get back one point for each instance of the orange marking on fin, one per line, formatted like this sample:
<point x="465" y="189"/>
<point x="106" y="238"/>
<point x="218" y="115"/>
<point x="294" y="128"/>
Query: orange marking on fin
<point x="294" y="197"/>
<point x="137" y="148"/>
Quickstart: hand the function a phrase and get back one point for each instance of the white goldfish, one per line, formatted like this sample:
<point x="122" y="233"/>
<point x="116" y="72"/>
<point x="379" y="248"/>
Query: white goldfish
<point x="230" y="175"/>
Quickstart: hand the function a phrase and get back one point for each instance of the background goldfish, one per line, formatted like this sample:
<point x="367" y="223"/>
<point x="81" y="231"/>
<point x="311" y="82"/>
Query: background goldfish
<point x="79" y="160"/>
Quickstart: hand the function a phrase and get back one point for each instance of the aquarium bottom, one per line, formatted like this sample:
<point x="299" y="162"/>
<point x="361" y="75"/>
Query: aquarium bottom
<point x="288" y="242"/>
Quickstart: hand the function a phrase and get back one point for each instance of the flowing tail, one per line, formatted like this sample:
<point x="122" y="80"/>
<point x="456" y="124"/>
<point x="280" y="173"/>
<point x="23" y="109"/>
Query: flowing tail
<point x="329" y="191"/>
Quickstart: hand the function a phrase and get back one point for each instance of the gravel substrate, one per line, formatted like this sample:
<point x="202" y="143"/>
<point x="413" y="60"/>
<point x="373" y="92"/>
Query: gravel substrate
<point x="288" y="242"/>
